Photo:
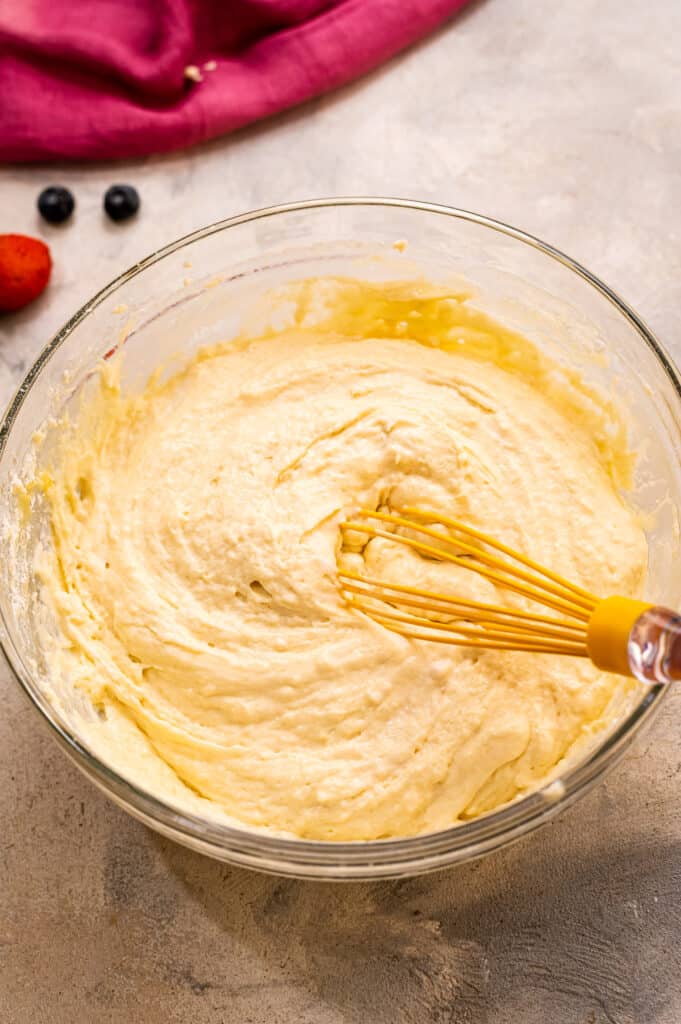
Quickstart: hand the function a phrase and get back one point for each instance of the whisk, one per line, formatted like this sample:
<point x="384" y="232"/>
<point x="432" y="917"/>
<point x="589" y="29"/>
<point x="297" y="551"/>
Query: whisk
<point x="618" y="634"/>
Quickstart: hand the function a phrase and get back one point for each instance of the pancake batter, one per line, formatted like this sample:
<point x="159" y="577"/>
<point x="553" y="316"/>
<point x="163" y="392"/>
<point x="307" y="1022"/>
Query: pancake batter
<point x="195" y="531"/>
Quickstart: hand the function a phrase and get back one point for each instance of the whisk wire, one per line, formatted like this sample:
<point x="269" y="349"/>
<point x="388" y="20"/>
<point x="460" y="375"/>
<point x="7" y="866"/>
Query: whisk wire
<point x="456" y="524"/>
<point x="486" y="643"/>
<point x="497" y="635"/>
<point x="440" y="603"/>
<point x="545" y="593"/>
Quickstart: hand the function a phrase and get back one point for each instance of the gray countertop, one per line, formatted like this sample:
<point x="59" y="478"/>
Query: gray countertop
<point x="563" y="119"/>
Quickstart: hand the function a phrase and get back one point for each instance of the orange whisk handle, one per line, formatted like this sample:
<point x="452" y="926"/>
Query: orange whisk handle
<point x="635" y="639"/>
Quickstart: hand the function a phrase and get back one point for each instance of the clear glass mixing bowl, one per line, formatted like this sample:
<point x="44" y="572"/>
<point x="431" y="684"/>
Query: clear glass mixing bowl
<point x="525" y="283"/>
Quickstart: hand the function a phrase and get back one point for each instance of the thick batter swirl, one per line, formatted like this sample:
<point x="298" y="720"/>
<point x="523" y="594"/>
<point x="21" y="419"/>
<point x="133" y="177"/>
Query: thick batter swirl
<point x="196" y="534"/>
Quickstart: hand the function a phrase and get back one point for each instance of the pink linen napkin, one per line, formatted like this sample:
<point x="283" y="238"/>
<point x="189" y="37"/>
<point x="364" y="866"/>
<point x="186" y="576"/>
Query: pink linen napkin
<point x="104" y="79"/>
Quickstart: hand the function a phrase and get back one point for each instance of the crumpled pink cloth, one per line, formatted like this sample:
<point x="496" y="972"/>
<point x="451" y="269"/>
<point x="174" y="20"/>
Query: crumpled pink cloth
<point x="103" y="79"/>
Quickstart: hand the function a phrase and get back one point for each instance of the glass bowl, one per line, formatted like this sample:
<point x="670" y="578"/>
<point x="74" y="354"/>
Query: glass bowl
<point x="193" y="292"/>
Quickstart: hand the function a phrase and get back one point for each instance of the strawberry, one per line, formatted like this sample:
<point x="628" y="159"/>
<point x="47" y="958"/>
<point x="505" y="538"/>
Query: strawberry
<point x="25" y="266"/>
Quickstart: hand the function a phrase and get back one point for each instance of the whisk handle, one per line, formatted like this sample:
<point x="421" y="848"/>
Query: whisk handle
<point x="635" y="639"/>
<point x="654" y="647"/>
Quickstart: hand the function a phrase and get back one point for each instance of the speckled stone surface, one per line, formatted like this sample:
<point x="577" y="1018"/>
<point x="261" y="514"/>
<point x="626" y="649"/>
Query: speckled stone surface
<point x="564" y="119"/>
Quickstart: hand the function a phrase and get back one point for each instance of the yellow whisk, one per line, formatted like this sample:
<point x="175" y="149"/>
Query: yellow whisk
<point x="618" y="634"/>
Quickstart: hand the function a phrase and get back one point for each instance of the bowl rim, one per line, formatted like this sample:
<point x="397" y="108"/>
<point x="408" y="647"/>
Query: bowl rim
<point x="362" y="859"/>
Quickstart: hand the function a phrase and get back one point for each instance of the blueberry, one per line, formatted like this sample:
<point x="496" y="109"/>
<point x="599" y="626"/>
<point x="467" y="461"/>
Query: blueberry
<point x="121" y="202"/>
<point x="56" y="204"/>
